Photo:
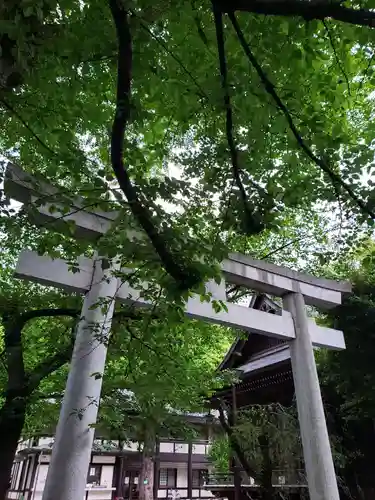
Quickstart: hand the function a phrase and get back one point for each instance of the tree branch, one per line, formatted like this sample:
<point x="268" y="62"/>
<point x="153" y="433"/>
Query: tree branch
<point x="12" y="110"/>
<point x="227" y="102"/>
<point x="270" y="88"/>
<point x="235" y="445"/>
<point x="48" y="366"/>
<point x="18" y="380"/>
<point x="202" y="93"/>
<point x="46" y="313"/>
<point x="184" y="276"/>
<point x="248" y="209"/>
<point x="338" y="62"/>
<point x="308" y="10"/>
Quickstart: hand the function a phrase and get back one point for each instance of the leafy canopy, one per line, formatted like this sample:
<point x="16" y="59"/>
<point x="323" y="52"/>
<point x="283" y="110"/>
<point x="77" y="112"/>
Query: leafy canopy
<point x="57" y="119"/>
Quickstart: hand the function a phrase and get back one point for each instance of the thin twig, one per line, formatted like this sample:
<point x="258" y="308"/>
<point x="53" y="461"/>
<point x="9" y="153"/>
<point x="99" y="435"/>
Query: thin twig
<point x="366" y="71"/>
<point x="229" y="112"/>
<point x="339" y="64"/>
<point x="176" y="58"/>
<point x="27" y="126"/>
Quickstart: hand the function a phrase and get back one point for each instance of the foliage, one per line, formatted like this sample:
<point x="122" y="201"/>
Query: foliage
<point x="56" y="120"/>
<point x="167" y="372"/>
<point x="269" y="436"/>
<point x="347" y="377"/>
<point x="42" y="337"/>
<point x="167" y="364"/>
<point x="294" y="102"/>
<point x="347" y="385"/>
<point x="264" y="440"/>
<point x="219" y="454"/>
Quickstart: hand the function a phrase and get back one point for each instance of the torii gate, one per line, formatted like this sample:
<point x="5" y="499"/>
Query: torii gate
<point x="70" y="459"/>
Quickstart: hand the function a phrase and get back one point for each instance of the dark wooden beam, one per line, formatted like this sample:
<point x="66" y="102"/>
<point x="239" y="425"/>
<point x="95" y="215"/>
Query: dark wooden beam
<point x="306" y="9"/>
<point x="190" y="471"/>
<point x="118" y="476"/>
<point x="156" y="469"/>
<point x="236" y="473"/>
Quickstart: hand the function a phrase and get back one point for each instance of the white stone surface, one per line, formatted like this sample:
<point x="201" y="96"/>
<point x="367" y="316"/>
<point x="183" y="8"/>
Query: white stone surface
<point x="275" y="284"/>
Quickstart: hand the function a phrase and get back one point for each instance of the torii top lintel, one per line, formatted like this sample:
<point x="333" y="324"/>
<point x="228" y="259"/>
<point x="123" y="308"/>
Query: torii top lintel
<point x="237" y="268"/>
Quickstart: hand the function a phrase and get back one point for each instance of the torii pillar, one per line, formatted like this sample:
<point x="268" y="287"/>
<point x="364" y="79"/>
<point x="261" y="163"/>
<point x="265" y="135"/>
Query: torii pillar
<point x="67" y="474"/>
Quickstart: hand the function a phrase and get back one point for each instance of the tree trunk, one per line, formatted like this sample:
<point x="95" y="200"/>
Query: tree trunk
<point x="146" y="477"/>
<point x="12" y="419"/>
<point x="235" y="445"/>
<point x="267" y="490"/>
<point x="20" y="385"/>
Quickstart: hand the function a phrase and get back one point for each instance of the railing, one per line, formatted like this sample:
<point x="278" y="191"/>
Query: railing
<point x="181" y="493"/>
<point x="219" y="478"/>
<point x="280" y="478"/>
<point x="289" y="477"/>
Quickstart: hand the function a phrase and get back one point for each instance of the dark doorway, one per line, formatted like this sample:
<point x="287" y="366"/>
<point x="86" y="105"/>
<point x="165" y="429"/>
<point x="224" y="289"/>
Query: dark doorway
<point x="131" y="485"/>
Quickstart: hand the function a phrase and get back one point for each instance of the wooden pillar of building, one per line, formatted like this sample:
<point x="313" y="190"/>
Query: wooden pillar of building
<point x="236" y="467"/>
<point x="190" y="471"/>
<point x="156" y="469"/>
<point x="118" y="476"/>
<point x="34" y="476"/>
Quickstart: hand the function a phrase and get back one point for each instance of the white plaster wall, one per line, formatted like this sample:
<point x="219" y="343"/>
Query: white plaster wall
<point x="19" y="473"/>
<point x="104" y="493"/>
<point x="41" y="477"/>
<point x="46" y="441"/>
<point x="182" y="477"/>
<point x="199" y="449"/>
<point x="103" y="459"/>
<point x="182" y="448"/>
<point x="182" y="481"/>
<point x="107" y="475"/>
<point x="100" y="494"/>
<point x="108" y="470"/>
<point x="206" y="494"/>
<point x="166" y="447"/>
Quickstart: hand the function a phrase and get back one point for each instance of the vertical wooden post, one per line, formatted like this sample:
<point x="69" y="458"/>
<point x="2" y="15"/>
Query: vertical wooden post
<point x="190" y="471"/>
<point x="236" y="472"/>
<point x="34" y="475"/>
<point x="156" y="469"/>
<point x="234" y="406"/>
<point x="119" y="480"/>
